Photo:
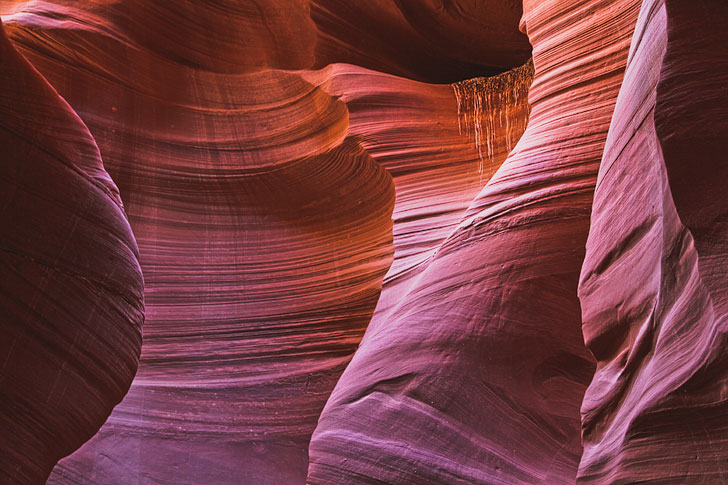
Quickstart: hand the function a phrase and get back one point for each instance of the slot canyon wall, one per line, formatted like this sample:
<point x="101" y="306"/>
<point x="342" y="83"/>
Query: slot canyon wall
<point x="653" y="282"/>
<point x="396" y="241"/>
<point x="72" y="298"/>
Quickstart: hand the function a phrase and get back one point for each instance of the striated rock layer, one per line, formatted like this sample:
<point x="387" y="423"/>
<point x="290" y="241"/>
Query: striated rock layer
<point x="476" y="369"/>
<point x="262" y="201"/>
<point x="438" y="164"/>
<point x="71" y="291"/>
<point x="653" y="282"/>
<point x="263" y="255"/>
<point x="296" y="203"/>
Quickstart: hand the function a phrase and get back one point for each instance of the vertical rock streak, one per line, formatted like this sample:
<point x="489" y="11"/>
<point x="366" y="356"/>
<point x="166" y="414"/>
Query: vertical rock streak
<point x="480" y="114"/>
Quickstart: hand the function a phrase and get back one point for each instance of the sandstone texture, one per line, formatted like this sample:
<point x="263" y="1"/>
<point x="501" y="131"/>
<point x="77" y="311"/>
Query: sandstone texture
<point x="392" y="241"/>
<point x="477" y="370"/>
<point x="652" y="291"/>
<point x="71" y="289"/>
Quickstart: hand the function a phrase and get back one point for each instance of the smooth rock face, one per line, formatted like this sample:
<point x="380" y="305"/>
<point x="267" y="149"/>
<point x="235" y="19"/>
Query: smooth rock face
<point x="476" y="371"/>
<point x="653" y="282"/>
<point x="71" y="291"/>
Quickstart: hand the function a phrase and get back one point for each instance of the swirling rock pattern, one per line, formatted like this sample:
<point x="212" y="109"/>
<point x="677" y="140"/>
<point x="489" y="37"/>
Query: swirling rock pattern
<point x="302" y="194"/>
<point x="264" y="226"/>
<point x="244" y="339"/>
<point x="476" y="373"/>
<point x="652" y="285"/>
<point x="439" y="162"/>
<point x="71" y="290"/>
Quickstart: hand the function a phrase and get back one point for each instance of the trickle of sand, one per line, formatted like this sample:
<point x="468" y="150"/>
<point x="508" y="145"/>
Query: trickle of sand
<point x="480" y="101"/>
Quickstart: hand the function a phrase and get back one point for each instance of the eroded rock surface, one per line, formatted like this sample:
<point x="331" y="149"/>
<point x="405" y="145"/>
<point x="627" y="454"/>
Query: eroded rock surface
<point x="71" y="290"/>
<point x="476" y="370"/>
<point x="262" y="202"/>
<point x="302" y="192"/>
<point x="652" y="287"/>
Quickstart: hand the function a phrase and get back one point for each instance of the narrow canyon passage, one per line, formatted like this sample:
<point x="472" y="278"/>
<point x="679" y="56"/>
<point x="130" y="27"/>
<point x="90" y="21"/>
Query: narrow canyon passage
<point x="478" y="368"/>
<point x="397" y="241"/>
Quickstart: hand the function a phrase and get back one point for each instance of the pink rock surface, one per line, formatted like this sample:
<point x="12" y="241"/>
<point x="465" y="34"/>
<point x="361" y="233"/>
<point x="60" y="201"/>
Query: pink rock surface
<point x="439" y="162"/>
<point x="70" y="283"/>
<point x="476" y="373"/>
<point x="652" y="286"/>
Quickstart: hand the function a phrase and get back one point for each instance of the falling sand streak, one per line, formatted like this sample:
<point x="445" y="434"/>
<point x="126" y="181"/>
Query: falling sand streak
<point x="477" y="102"/>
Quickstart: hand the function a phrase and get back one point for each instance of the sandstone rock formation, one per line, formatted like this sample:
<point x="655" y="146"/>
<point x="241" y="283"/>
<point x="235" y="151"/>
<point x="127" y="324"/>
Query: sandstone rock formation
<point x="476" y="373"/>
<point x="652" y="285"/>
<point x="70" y="283"/>
<point x="353" y="274"/>
<point x="264" y="226"/>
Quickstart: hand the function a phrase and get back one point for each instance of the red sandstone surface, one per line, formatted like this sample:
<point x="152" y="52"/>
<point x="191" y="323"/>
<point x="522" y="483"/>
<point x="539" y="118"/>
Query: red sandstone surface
<point x="365" y="242"/>
<point x="72" y="291"/>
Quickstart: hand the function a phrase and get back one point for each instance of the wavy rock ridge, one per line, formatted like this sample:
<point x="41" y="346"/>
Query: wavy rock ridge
<point x="243" y="341"/>
<point x="70" y="283"/>
<point x="651" y="286"/>
<point x="476" y="373"/>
